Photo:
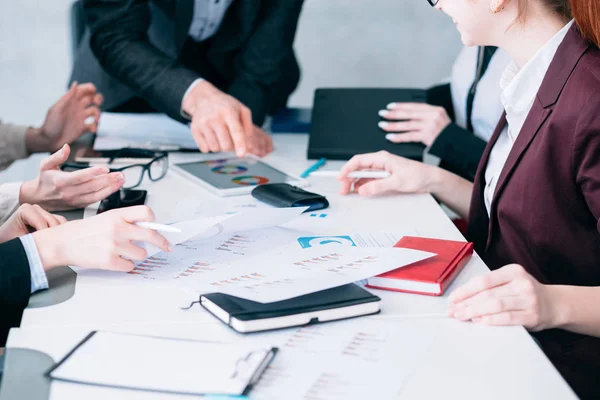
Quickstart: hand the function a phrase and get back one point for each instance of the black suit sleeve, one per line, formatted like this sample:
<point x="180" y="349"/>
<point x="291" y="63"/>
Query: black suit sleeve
<point x="441" y="96"/>
<point x="120" y="42"/>
<point x="15" y="286"/>
<point x="266" y="69"/>
<point x="459" y="149"/>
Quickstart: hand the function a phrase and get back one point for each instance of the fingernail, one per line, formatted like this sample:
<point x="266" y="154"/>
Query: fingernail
<point x="121" y="177"/>
<point x="383" y="124"/>
<point x="459" y="314"/>
<point x="390" y="136"/>
<point x="384" y="113"/>
<point x="89" y="120"/>
<point x="391" y="106"/>
<point x="170" y="248"/>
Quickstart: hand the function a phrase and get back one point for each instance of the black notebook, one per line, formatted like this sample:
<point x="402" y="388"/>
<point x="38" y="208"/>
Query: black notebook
<point x="344" y="123"/>
<point x="244" y="316"/>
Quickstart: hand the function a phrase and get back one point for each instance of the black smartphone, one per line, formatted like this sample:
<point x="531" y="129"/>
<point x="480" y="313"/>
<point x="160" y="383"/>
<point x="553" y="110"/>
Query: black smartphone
<point x="123" y="198"/>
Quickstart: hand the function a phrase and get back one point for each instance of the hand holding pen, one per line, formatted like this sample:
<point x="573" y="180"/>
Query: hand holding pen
<point x="394" y="174"/>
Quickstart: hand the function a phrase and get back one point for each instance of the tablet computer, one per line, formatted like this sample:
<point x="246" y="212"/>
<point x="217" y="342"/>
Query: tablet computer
<point x="235" y="176"/>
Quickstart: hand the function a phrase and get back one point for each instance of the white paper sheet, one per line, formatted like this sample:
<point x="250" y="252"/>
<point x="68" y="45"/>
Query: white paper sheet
<point x="213" y="242"/>
<point x="287" y="273"/>
<point x="155" y="131"/>
<point x="193" y="207"/>
<point x="162" y="364"/>
<point x="345" y="360"/>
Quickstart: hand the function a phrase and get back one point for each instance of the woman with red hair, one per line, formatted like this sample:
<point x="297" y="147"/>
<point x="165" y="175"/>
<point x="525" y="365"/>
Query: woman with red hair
<point x="586" y="14"/>
<point x="534" y="207"/>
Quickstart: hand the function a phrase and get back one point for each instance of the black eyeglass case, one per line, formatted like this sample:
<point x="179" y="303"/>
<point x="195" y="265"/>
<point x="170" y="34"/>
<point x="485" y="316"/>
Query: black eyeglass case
<point x="286" y="195"/>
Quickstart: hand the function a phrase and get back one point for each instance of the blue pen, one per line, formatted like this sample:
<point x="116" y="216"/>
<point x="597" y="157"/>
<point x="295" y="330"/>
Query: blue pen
<point x="313" y="167"/>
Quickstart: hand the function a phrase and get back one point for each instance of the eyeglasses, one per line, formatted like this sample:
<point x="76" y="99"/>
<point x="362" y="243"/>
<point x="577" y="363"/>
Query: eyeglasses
<point x="433" y="2"/>
<point x="156" y="167"/>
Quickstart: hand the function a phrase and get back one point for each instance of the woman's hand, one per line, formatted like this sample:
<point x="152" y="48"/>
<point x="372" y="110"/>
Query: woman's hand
<point x="419" y="122"/>
<point x="27" y="219"/>
<point x="55" y="190"/>
<point x="507" y="296"/>
<point x="76" y="113"/>
<point x="406" y="176"/>
<point x="104" y="241"/>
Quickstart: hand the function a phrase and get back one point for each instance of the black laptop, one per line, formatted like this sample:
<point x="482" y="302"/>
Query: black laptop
<point x="344" y="122"/>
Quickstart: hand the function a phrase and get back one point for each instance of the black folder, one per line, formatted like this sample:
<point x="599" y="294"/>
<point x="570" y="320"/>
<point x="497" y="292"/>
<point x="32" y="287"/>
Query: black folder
<point x="244" y="316"/>
<point x="344" y="122"/>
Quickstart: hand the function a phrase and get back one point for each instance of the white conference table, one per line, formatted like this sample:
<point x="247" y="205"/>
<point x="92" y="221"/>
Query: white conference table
<point x="464" y="360"/>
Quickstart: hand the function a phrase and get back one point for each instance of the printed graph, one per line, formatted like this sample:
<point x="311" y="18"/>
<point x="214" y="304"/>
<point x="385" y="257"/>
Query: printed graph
<point x="237" y="244"/>
<point x="315" y="241"/>
<point x="199" y="267"/>
<point x="149" y="267"/>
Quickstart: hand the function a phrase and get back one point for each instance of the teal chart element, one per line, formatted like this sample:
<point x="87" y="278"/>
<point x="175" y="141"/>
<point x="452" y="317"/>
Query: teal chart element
<point x="314" y="241"/>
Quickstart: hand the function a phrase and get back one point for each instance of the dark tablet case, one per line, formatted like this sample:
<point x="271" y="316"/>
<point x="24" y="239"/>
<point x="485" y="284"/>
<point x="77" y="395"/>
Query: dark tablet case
<point x="344" y="122"/>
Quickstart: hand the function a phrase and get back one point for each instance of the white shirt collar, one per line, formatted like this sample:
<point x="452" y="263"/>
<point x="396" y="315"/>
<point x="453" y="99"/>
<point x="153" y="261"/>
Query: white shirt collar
<point x="520" y="86"/>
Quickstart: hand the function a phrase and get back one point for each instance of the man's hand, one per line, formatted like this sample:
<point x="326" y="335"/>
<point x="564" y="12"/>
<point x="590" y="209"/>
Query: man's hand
<point x="26" y="219"/>
<point x="221" y="123"/>
<point x="76" y="113"/>
<point x="259" y="143"/>
<point x="55" y="190"/>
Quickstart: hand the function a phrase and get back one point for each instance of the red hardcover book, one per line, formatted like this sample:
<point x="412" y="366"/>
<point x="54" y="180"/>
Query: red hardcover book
<point x="431" y="276"/>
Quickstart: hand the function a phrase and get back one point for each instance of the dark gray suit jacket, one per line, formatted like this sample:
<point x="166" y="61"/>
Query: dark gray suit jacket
<point x="141" y="48"/>
<point x="15" y="286"/>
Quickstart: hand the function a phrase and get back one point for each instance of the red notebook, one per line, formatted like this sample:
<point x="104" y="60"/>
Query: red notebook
<point x="431" y="276"/>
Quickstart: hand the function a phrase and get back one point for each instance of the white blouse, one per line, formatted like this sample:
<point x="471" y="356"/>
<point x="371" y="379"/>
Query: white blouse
<point x="519" y="89"/>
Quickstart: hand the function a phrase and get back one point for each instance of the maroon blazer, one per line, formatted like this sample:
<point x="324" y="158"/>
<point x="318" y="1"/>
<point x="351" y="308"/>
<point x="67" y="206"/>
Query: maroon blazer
<point x="546" y="208"/>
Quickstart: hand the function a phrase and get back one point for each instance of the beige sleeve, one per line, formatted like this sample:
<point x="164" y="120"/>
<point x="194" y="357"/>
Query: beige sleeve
<point x="12" y="144"/>
<point x="9" y="200"/>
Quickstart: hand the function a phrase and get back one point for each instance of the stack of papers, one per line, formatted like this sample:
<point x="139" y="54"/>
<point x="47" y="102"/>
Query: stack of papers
<point x="152" y="131"/>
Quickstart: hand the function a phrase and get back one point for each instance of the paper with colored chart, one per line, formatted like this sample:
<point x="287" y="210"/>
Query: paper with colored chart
<point x="216" y="227"/>
<point x="284" y="274"/>
<point x="207" y="241"/>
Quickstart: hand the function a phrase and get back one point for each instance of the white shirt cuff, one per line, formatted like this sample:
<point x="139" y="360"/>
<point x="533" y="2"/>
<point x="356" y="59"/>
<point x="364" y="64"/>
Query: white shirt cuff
<point x="192" y="86"/>
<point x="39" y="280"/>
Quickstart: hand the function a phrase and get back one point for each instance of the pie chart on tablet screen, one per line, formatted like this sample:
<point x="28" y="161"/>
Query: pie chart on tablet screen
<point x="250" y="180"/>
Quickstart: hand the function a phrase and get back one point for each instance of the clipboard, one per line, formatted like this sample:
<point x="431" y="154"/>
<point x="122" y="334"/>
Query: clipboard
<point x="178" y="366"/>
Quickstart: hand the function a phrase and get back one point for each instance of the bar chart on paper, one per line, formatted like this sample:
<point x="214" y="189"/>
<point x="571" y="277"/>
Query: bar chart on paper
<point x="192" y="263"/>
<point x="345" y="361"/>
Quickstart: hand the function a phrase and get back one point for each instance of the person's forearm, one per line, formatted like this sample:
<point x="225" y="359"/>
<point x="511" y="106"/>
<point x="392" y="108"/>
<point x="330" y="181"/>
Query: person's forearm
<point x="35" y="141"/>
<point x="50" y="249"/>
<point x="452" y="190"/>
<point x="575" y="308"/>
